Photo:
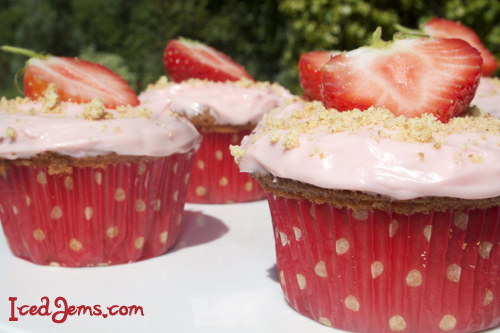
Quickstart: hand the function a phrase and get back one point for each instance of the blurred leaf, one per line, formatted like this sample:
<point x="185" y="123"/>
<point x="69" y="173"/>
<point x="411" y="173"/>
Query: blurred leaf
<point x="266" y="36"/>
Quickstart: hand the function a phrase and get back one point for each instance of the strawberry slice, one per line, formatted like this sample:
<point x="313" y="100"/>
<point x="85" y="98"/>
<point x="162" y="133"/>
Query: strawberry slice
<point x="442" y="28"/>
<point x="77" y="80"/>
<point x="185" y="59"/>
<point x="410" y="76"/>
<point x="310" y="65"/>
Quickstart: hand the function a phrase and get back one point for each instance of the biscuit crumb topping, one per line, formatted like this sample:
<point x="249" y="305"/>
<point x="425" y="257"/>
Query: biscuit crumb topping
<point x="241" y="83"/>
<point x="474" y="158"/>
<point x="424" y="129"/>
<point x="314" y="117"/>
<point x="10" y="133"/>
<point x="131" y="112"/>
<point x="96" y="110"/>
<point x="160" y="84"/>
<point x="13" y="105"/>
<point x="237" y="152"/>
<point x="52" y="106"/>
<point x="50" y="101"/>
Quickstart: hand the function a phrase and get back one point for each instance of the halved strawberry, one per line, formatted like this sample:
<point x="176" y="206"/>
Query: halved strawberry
<point x="442" y="28"/>
<point x="409" y="76"/>
<point x="185" y="59"/>
<point x="77" y="80"/>
<point x="310" y="65"/>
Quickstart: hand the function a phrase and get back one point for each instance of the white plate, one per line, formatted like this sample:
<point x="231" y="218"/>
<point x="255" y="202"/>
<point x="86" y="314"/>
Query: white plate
<point x="221" y="277"/>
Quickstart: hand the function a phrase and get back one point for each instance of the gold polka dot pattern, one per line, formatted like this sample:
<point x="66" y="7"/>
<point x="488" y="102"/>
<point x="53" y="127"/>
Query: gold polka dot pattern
<point x="201" y="191"/>
<point x="360" y="214"/>
<point x="301" y="280"/>
<point x="248" y="186"/>
<point x="397" y="323"/>
<point x="428" y="232"/>
<point x="320" y="269"/>
<point x="284" y="238"/>
<point x="139" y="243"/>
<point x="88" y="212"/>
<point x="56" y="213"/>
<point x="325" y="321"/>
<point x="223" y="181"/>
<point x="485" y="249"/>
<point x="297" y="233"/>
<point x="112" y="232"/>
<point x="488" y="297"/>
<point x="98" y="177"/>
<point x="75" y="245"/>
<point x="460" y="219"/>
<point x="140" y="205"/>
<point x="68" y="183"/>
<point x="447" y="323"/>
<point x="218" y="155"/>
<point x="377" y="269"/>
<point x="39" y="235"/>
<point x="163" y="237"/>
<point x="141" y="169"/>
<point x="423" y="261"/>
<point x="157" y="205"/>
<point x="351" y="303"/>
<point x="342" y="246"/>
<point x="41" y="178"/>
<point x="119" y="194"/>
<point x="453" y="272"/>
<point x="414" y="278"/>
<point x="95" y="216"/>
<point x="393" y="227"/>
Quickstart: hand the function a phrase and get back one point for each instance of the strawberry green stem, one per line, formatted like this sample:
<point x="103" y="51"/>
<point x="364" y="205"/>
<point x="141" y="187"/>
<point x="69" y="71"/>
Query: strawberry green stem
<point x="29" y="53"/>
<point x="405" y="29"/>
<point x="16" y="80"/>
<point x="377" y="42"/>
<point x="18" y="50"/>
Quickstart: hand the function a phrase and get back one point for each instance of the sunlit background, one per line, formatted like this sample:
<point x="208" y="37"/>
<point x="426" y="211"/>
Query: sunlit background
<point x="266" y="36"/>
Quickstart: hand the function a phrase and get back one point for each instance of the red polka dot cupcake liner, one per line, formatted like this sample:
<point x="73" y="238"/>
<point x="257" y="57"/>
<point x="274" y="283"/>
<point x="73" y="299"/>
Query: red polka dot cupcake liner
<point x="215" y="178"/>
<point x="376" y="271"/>
<point x="96" y="216"/>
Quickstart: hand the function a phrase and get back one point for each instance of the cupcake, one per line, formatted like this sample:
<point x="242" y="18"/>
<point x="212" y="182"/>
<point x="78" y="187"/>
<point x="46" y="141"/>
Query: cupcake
<point x="488" y="96"/>
<point x="224" y="103"/>
<point x="378" y="226"/>
<point x="89" y="183"/>
<point x="386" y="221"/>
<point x="223" y="113"/>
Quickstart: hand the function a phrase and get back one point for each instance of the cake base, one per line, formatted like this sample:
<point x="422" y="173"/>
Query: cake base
<point x="96" y="216"/>
<point x="376" y="271"/>
<point x="215" y="178"/>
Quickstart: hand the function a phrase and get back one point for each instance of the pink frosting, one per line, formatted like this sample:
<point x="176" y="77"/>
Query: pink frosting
<point x="384" y="166"/>
<point x="160" y="135"/>
<point x="488" y="96"/>
<point x="229" y="103"/>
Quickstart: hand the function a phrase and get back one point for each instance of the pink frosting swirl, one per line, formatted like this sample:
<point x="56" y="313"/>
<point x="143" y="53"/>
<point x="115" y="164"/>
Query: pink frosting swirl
<point x="28" y="132"/>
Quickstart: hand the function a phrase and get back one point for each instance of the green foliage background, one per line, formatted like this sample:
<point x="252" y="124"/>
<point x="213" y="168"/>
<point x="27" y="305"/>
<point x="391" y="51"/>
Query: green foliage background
<point x="266" y="36"/>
